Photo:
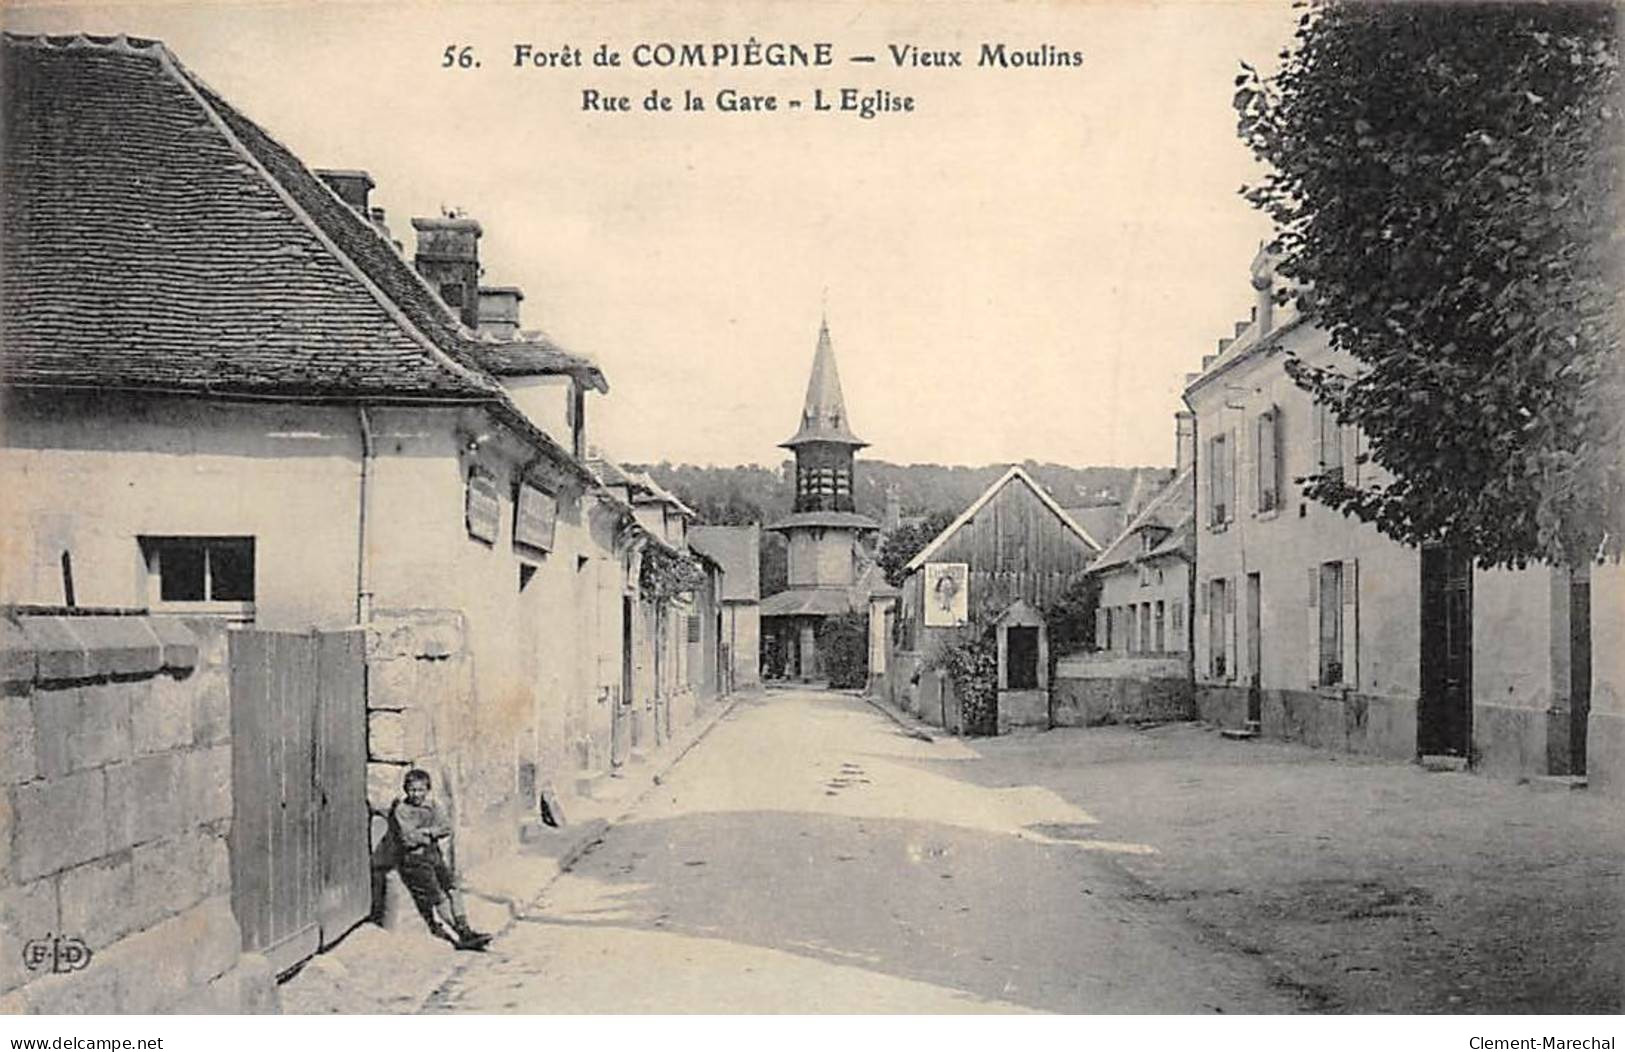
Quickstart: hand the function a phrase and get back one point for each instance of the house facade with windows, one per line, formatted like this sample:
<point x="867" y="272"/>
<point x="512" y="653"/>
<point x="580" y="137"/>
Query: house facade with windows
<point x="228" y="393"/>
<point x="1312" y="626"/>
<point x="1140" y="665"/>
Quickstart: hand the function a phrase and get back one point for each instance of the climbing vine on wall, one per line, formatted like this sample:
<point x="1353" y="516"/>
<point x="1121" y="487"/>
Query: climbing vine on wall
<point x="666" y="574"/>
<point x="972" y="663"/>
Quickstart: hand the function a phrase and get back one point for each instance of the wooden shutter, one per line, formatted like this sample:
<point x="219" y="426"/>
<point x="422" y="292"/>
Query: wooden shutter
<point x="1313" y="625"/>
<point x="1351" y="622"/>
<point x="1230" y="479"/>
<point x="1230" y="629"/>
<point x="1103" y="639"/>
<point x="1351" y="456"/>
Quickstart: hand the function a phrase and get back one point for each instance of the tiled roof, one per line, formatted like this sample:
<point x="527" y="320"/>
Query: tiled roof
<point x="1169" y="510"/>
<point x="736" y="549"/>
<point x="535" y="354"/>
<point x="146" y="246"/>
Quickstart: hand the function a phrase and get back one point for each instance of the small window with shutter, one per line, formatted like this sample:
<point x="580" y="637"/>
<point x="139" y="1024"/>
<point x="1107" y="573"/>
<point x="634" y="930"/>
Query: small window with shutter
<point x="1329" y="443"/>
<point x="1268" y="460"/>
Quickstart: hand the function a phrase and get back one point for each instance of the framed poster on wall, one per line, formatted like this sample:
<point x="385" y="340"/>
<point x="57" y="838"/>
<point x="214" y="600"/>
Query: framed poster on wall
<point x="947" y="594"/>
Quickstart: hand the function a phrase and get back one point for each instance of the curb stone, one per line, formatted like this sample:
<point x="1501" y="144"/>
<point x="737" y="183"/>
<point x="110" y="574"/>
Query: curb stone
<point x="908" y="726"/>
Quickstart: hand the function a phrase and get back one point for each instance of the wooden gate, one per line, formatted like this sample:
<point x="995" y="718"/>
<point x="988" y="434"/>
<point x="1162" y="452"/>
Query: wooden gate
<point x="299" y="832"/>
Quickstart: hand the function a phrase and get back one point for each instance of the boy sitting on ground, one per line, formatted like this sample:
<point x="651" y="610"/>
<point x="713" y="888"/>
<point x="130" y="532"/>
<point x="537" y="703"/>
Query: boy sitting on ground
<point x="419" y="827"/>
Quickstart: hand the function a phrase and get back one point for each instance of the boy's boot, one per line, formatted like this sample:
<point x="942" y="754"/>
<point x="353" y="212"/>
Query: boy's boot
<point x="468" y="938"/>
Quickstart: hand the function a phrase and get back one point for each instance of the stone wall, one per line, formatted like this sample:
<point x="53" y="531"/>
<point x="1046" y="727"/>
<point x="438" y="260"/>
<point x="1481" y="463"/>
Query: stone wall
<point x="1111" y="687"/>
<point x="115" y="767"/>
<point x="421" y="712"/>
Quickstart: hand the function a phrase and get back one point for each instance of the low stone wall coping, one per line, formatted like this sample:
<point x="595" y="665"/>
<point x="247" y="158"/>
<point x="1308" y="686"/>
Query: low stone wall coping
<point x="47" y="648"/>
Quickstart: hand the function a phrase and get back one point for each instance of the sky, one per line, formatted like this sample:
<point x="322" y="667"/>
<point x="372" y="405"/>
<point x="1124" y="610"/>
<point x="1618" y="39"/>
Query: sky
<point x="1025" y="266"/>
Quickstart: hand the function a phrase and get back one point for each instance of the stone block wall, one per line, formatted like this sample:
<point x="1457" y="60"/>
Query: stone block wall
<point x="421" y="712"/>
<point x="1110" y="687"/>
<point x="115" y="806"/>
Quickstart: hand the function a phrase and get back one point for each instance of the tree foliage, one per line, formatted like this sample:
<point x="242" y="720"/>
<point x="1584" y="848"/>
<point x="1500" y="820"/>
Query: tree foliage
<point x="905" y="542"/>
<point x="843" y="647"/>
<point x="1444" y="181"/>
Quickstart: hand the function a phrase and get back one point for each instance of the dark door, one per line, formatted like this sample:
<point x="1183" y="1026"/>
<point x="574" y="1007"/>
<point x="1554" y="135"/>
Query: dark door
<point x="620" y="731"/>
<point x="1021" y="655"/>
<point x="1579" y="668"/>
<point x="1445" y="721"/>
<point x="1255" y="649"/>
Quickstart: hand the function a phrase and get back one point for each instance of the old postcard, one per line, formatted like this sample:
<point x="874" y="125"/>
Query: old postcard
<point x="1092" y="508"/>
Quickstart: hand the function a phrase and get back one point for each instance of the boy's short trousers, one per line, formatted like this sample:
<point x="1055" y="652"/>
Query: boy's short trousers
<point x="426" y="875"/>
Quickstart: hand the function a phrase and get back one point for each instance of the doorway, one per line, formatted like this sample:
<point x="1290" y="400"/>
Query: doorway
<point x="1579" y="666"/>
<point x="1255" y="650"/>
<point x="1022" y="655"/>
<point x="1445" y="717"/>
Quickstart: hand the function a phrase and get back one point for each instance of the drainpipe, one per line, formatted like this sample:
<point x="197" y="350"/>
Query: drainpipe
<point x="363" y="579"/>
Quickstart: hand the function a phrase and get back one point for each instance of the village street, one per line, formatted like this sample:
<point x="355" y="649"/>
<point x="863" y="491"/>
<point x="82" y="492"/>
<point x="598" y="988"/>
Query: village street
<point x="808" y="856"/>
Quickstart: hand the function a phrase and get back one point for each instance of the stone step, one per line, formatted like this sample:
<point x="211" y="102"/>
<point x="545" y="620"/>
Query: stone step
<point x="1557" y="783"/>
<point x="1238" y="734"/>
<point x="1442" y="764"/>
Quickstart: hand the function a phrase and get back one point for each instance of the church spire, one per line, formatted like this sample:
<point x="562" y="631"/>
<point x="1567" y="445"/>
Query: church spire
<point x="823" y="415"/>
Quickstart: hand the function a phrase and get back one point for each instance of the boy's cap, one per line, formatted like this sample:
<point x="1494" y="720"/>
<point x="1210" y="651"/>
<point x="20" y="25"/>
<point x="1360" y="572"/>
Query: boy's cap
<point x="416" y="774"/>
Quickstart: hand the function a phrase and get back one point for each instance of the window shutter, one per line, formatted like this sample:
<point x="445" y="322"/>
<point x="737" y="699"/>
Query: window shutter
<point x="1230" y="475"/>
<point x="1320" y="435"/>
<point x="1204" y="486"/>
<point x="1351" y="456"/>
<point x="1230" y="630"/>
<point x="1102" y="638"/>
<point x="1313" y="625"/>
<point x="1351" y="622"/>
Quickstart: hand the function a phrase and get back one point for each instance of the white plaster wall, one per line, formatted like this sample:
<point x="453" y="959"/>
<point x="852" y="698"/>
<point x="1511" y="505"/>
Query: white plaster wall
<point x="1513" y="637"/>
<point x="545" y="400"/>
<point x="821" y="557"/>
<point x="89" y="474"/>
<point x="1122" y="587"/>
<point x="1282" y="546"/>
<point x="1608" y="639"/>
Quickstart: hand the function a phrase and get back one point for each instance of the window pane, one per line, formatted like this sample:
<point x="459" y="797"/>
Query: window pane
<point x="1331" y="624"/>
<point x="231" y="569"/>
<point x="180" y="564"/>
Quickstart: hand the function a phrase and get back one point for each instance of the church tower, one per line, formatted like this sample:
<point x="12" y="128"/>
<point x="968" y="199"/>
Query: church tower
<point x="823" y="527"/>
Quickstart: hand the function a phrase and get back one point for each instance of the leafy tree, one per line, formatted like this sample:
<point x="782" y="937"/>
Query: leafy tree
<point x="1445" y="182"/>
<point x="843" y="646"/>
<point x="905" y="542"/>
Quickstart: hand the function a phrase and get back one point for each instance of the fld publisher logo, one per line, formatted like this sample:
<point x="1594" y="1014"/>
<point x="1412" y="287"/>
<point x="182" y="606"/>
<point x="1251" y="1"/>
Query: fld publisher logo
<point x="56" y="953"/>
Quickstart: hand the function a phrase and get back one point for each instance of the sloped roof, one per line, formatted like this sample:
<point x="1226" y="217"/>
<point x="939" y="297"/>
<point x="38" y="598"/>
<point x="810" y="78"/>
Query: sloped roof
<point x="737" y="550"/>
<point x="1099" y="520"/>
<point x="146" y="247"/>
<point x="844" y="520"/>
<point x="1015" y="474"/>
<point x="535" y="354"/>
<point x="810" y="602"/>
<point x="1169" y="510"/>
<point x="157" y="238"/>
<point x="823" y="413"/>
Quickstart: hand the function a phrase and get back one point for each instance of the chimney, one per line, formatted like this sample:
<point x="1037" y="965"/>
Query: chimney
<point x="350" y="184"/>
<point x="1263" y="281"/>
<point x="894" y="510"/>
<point x="1184" y="439"/>
<point x="499" y="310"/>
<point x="448" y="257"/>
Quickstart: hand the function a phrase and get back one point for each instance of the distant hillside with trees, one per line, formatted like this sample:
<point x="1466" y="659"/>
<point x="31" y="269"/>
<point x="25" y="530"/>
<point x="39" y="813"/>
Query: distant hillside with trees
<point x="929" y="496"/>
<point x="732" y="496"/>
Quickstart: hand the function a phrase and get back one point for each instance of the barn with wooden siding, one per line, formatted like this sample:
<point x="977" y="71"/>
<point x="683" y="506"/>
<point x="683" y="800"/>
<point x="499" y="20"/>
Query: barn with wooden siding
<point x="994" y="569"/>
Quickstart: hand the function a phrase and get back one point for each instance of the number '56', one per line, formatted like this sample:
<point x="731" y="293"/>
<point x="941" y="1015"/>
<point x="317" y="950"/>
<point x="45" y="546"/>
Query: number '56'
<point x="461" y="57"/>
